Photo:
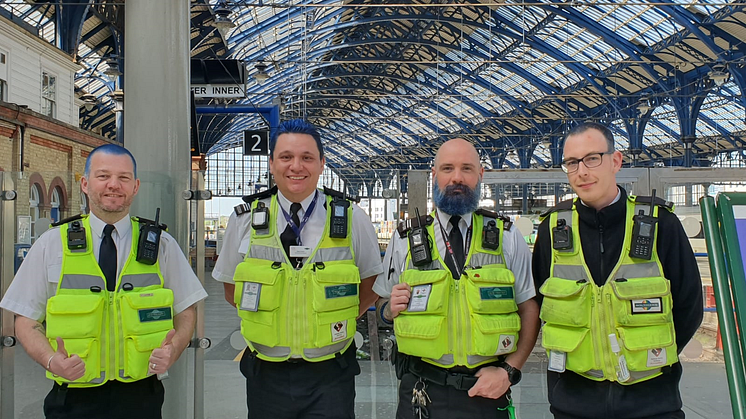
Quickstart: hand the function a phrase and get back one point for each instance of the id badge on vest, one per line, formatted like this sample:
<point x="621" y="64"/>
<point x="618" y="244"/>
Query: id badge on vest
<point x="300" y="251"/>
<point x="250" y="297"/>
<point x="420" y="296"/>
<point x="557" y="361"/>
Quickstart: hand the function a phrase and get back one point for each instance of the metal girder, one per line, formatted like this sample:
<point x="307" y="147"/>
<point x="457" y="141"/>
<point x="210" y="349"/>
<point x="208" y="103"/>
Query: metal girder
<point x="69" y="18"/>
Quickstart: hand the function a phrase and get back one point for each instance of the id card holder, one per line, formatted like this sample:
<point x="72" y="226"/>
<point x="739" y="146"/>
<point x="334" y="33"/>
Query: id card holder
<point x="250" y="297"/>
<point x="300" y="251"/>
<point x="557" y="361"/>
<point x="419" y="298"/>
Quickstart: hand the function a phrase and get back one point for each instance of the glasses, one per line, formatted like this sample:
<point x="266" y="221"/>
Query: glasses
<point x="590" y="161"/>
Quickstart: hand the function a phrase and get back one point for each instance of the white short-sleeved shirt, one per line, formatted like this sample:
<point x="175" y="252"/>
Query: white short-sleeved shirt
<point x="515" y="252"/>
<point x="39" y="274"/>
<point x="238" y="236"/>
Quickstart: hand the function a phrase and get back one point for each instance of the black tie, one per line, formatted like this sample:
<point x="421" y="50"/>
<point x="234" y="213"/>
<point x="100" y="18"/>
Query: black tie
<point x="107" y="258"/>
<point x="457" y="245"/>
<point x="288" y="237"/>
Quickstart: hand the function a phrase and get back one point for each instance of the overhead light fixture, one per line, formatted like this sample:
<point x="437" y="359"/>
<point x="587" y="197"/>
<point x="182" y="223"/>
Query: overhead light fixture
<point x="112" y="71"/>
<point x="643" y="106"/>
<point x="261" y="72"/>
<point x="719" y="74"/>
<point x="222" y="21"/>
<point x="89" y="101"/>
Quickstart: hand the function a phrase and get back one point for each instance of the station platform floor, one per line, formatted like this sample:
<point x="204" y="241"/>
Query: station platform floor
<point x="704" y="387"/>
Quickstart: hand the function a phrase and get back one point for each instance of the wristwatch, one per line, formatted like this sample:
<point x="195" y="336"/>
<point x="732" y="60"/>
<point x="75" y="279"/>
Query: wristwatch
<point x="514" y="374"/>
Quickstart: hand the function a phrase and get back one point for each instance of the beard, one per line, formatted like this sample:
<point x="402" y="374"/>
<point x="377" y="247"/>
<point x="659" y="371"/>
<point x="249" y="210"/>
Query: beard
<point x="456" y="199"/>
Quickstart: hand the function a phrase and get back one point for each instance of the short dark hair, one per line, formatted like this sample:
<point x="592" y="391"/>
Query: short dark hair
<point x="112" y="149"/>
<point x="585" y="126"/>
<point x="296" y="126"/>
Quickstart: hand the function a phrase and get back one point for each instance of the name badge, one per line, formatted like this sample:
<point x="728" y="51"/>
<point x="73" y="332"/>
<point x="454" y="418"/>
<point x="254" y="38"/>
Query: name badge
<point x="648" y="305"/>
<point x="420" y="296"/>
<point x="496" y="293"/>
<point x="300" y="251"/>
<point x="339" y="331"/>
<point x="154" y="314"/>
<point x="656" y="357"/>
<point x="250" y="297"/>
<point x="557" y="361"/>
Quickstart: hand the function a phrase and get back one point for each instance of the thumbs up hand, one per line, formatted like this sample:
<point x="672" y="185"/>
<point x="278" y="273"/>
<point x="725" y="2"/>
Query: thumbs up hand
<point x="68" y="367"/>
<point x="160" y="359"/>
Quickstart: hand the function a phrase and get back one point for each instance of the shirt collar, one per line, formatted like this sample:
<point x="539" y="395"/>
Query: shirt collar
<point x="616" y="199"/>
<point x="465" y="219"/>
<point x="285" y="203"/>
<point x="122" y="226"/>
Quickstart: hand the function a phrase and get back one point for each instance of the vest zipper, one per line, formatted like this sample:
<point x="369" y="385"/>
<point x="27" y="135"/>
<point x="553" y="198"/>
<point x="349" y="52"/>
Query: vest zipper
<point x="459" y="324"/>
<point x="289" y="325"/>
<point x="467" y="326"/>
<point x="598" y="343"/>
<point x="112" y="338"/>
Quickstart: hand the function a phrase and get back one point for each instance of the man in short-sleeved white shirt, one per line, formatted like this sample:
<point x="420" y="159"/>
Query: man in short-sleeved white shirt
<point x="283" y="381"/>
<point x="111" y="183"/>
<point x="474" y="387"/>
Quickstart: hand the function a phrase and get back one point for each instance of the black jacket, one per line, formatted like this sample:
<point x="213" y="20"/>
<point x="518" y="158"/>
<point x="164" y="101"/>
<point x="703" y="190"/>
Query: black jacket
<point x="602" y="236"/>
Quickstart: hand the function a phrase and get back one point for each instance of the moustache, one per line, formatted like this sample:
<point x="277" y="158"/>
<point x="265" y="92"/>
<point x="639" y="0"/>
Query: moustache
<point x="456" y="189"/>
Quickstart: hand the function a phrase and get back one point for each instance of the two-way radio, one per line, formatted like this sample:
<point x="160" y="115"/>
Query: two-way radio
<point x="338" y="218"/>
<point x="643" y="233"/>
<point x="562" y="235"/>
<point x="419" y="243"/>
<point x="149" y="241"/>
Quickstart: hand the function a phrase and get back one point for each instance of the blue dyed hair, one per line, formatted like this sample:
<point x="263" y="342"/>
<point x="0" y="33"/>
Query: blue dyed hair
<point x="113" y="149"/>
<point x="296" y="126"/>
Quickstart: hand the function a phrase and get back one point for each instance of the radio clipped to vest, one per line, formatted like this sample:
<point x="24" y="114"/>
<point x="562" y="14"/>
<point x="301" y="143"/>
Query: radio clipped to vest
<point x="419" y="243"/>
<point x="643" y="233"/>
<point x="338" y="218"/>
<point x="562" y="235"/>
<point x="150" y="240"/>
<point x="260" y="217"/>
<point x="76" y="236"/>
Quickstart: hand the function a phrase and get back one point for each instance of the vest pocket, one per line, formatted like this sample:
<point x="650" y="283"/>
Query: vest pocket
<point x="335" y="326"/>
<point x="261" y="325"/>
<point x="576" y="343"/>
<point x="642" y="301"/>
<point x="335" y="287"/>
<point x="494" y="335"/>
<point x="75" y="316"/>
<point x="438" y="296"/>
<point x="423" y="336"/>
<point x="490" y="291"/>
<point x="644" y="346"/>
<point x="146" y="311"/>
<point x="89" y="351"/>
<point x="137" y="350"/>
<point x="566" y="302"/>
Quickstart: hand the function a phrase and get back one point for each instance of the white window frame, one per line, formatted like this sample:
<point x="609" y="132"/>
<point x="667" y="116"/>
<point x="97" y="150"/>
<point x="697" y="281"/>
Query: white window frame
<point x="48" y="96"/>
<point x="35" y="195"/>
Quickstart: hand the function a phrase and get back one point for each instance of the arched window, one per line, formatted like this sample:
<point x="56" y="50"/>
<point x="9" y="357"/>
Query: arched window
<point x="56" y="204"/>
<point x="35" y="203"/>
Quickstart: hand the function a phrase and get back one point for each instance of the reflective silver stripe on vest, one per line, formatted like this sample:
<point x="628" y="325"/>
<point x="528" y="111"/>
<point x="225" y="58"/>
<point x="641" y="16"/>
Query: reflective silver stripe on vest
<point x="81" y="282"/>
<point x="638" y="375"/>
<point x="484" y="259"/>
<point x="267" y="253"/>
<point x="272" y="351"/>
<point x="639" y="270"/>
<point x="140" y="280"/>
<point x="447" y="359"/>
<point x="98" y="380"/>
<point x="332" y="253"/>
<point x="573" y="272"/>
<point x="326" y="350"/>
<point x="434" y="265"/>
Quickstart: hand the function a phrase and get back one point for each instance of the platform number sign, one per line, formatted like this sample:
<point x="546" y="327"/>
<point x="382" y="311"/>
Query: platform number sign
<point x="256" y="143"/>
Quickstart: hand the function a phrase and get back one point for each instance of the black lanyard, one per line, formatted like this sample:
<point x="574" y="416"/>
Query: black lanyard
<point x="467" y="244"/>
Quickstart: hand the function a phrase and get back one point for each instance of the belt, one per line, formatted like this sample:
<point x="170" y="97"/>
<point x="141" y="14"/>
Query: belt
<point x="440" y="376"/>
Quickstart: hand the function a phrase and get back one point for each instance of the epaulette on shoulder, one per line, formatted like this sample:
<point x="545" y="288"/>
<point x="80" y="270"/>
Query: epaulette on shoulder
<point x="507" y="224"/>
<point x="249" y="199"/>
<point x="562" y="206"/>
<point x="67" y="220"/>
<point x="658" y="201"/>
<point x="406" y="225"/>
<point x="339" y="194"/>
<point x="143" y="220"/>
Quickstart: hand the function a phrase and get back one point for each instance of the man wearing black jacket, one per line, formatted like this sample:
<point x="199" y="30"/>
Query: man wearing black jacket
<point x="628" y="379"/>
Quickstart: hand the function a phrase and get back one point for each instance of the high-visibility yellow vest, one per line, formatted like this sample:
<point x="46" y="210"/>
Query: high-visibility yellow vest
<point x="469" y="321"/>
<point x="308" y="312"/>
<point x="634" y="305"/>
<point x="113" y="332"/>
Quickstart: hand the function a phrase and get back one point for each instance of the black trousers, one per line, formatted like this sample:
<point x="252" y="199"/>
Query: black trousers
<point x="301" y="390"/>
<point x="447" y="402"/>
<point x="114" y="400"/>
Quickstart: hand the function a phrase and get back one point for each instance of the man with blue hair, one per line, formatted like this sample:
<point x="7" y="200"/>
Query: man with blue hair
<point x="118" y="310"/>
<point x="461" y="299"/>
<point x="299" y="264"/>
